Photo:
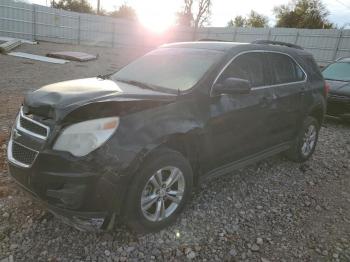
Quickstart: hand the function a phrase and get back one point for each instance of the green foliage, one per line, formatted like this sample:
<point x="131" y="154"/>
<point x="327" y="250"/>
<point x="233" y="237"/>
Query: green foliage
<point x="310" y="14"/>
<point x="239" y="21"/>
<point x="125" y="12"/>
<point x="80" y="6"/>
<point x="255" y="19"/>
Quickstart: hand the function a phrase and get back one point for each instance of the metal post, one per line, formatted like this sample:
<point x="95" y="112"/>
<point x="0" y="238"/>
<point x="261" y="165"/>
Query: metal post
<point x="194" y="34"/>
<point x="34" y="22"/>
<point x="79" y="26"/>
<point x="235" y="34"/>
<point x="296" y="38"/>
<point x="98" y="6"/>
<point x="269" y="34"/>
<point x="113" y="34"/>
<point x="336" y="49"/>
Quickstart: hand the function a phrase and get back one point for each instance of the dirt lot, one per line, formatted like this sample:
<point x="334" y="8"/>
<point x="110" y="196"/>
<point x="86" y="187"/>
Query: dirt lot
<point x="271" y="211"/>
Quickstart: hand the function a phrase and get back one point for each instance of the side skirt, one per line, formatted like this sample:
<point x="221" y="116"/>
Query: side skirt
<point x="223" y="170"/>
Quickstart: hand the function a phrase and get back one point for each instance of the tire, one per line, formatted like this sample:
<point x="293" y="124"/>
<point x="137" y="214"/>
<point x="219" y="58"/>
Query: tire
<point x="143" y="220"/>
<point x="300" y="151"/>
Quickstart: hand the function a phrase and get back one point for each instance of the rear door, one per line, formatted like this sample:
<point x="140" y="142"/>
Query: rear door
<point x="289" y="84"/>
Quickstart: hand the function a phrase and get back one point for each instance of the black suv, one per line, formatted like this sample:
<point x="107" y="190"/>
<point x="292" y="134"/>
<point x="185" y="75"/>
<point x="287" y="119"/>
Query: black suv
<point x="131" y="145"/>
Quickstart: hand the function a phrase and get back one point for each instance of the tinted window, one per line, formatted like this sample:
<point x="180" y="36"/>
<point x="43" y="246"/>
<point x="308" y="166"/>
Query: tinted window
<point x="338" y="71"/>
<point x="247" y="66"/>
<point x="171" y="68"/>
<point x="285" y="70"/>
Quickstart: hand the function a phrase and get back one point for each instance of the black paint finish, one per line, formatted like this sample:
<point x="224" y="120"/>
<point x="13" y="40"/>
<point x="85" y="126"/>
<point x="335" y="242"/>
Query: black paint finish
<point x="212" y="131"/>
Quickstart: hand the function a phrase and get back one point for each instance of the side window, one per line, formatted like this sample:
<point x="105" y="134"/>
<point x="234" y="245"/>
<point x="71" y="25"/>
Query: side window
<point x="284" y="68"/>
<point x="248" y="66"/>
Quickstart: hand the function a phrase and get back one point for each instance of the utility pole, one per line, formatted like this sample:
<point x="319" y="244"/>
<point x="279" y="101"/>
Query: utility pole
<point x="98" y="7"/>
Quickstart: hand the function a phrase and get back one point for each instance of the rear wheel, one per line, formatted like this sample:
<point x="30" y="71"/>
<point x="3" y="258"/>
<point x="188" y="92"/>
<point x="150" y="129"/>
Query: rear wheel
<point x="159" y="191"/>
<point x="306" y="141"/>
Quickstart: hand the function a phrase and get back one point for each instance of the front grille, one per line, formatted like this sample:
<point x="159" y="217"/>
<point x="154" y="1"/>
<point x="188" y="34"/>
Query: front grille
<point x="31" y="126"/>
<point x="22" y="154"/>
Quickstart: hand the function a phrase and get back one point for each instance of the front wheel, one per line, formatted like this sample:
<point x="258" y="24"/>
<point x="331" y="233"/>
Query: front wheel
<point x="159" y="191"/>
<point x="306" y="141"/>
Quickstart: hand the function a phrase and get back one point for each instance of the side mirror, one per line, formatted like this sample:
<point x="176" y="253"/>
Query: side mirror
<point x="233" y="86"/>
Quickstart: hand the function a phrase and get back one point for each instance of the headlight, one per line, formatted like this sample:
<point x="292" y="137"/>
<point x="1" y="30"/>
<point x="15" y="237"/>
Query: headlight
<point x="82" y="138"/>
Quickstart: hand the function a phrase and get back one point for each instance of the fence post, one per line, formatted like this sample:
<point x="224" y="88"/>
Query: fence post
<point x="296" y="38"/>
<point x="340" y="35"/>
<point x="113" y="34"/>
<point x="34" y="22"/>
<point x="79" y="28"/>
<point x="269" y="34"/>
<point x="235" y="34"/>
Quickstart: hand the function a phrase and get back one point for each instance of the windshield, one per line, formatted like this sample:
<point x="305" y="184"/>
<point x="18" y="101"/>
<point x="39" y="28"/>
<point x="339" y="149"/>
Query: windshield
<point x="170" y="68"/>
<point x="338" y="71"/>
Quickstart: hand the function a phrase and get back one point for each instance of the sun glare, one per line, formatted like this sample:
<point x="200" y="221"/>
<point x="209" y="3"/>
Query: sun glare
<point x="157" y="15"/>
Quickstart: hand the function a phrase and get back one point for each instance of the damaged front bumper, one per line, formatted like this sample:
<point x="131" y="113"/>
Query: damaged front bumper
<point x="82" y="192"/>
<point x="60" y="203"/>
<point x="86" y="192"/>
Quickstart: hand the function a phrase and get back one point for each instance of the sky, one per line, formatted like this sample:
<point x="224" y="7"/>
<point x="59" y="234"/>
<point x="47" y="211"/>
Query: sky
<point x="163" y="15"/>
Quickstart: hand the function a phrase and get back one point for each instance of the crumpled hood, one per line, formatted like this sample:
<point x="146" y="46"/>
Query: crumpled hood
<point x="64" y="97"/>
<point x="339" y="87"/>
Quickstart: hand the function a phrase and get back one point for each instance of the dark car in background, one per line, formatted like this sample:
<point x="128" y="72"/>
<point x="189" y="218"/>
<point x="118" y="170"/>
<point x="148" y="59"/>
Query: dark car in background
<point x="338" y="77"/>
<point x="133" y="144"/>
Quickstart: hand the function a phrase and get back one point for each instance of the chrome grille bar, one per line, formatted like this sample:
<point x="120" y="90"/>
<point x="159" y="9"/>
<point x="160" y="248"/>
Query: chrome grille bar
<point x="32" y="154"/>
<point x="20" y="127"/>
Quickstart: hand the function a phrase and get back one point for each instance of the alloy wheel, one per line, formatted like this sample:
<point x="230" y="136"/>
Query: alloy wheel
<point x="162" y="193"/>
<point x="309" y="140"/>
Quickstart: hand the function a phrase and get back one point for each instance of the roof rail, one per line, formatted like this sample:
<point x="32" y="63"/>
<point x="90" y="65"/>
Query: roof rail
<point x="211" y="40"/>
<point x="269" y="42"/>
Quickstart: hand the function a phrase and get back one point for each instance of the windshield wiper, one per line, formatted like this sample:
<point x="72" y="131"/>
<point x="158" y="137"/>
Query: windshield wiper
<point x="137" y="83"/>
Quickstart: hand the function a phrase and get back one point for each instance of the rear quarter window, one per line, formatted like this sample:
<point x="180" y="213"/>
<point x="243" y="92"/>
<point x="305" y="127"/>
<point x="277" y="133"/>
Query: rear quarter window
<point x="285" y="69"/>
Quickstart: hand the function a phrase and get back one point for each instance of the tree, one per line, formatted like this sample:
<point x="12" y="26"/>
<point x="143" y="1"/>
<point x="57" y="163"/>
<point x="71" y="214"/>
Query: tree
<point x="125" y="12"/>
<point x="255" y="19"/>
<point x="195" y="13"/>
<point x="310" y="14"/>
<point x="239" y="21"/>
<point x="80" y="6"/>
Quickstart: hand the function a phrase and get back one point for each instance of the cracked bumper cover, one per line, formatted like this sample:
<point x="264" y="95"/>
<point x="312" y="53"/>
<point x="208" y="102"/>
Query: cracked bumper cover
<point x="80" y="197"/>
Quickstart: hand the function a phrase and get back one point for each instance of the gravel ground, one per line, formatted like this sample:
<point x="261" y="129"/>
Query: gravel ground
<point x="274" y="210"/>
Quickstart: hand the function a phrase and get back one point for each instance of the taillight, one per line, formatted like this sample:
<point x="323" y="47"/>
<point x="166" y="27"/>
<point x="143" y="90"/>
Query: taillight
<point x="327" y="87"/>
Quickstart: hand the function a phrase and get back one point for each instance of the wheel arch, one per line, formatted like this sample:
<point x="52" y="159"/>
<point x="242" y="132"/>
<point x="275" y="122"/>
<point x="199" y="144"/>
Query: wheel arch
<point x="187" y="145"/>
<point x="184" y="143"/>
<point x="318" y="112"/>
